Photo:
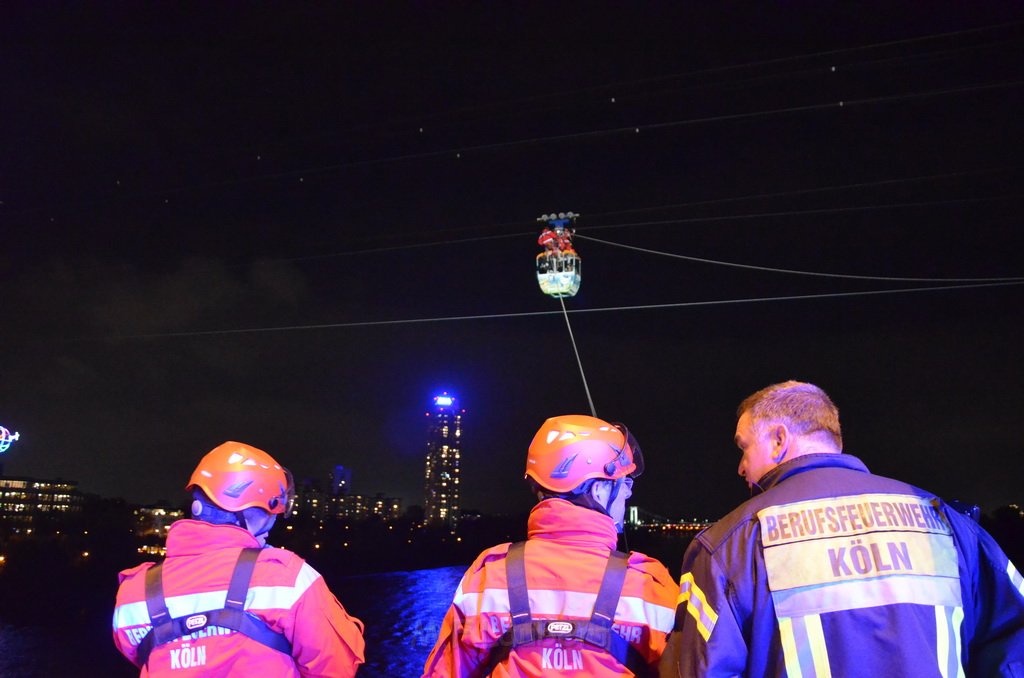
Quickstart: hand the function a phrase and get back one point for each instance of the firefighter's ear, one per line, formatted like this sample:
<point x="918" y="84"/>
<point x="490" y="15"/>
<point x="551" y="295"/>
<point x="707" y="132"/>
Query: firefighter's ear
<point x="780" y="440"/>
<point x="598" y="491"/>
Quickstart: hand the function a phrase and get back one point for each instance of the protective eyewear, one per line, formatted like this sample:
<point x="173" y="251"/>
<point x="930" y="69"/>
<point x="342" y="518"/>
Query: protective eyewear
<point x="623" y="459"/>
<point x="287" y="496"/>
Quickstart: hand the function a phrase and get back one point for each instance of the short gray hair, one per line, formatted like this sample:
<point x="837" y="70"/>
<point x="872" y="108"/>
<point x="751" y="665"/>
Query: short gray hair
<point x="804" y="408"/>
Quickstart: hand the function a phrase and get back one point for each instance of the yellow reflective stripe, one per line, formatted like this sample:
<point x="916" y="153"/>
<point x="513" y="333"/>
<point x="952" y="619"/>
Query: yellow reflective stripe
<point x="1015" y="577"/>
<point x="958" y="617"/>
<point x="941" y="641"/>
<point x="789" y="652"/>
<point x="819" y="652"/>
<point x="803" y="646"/>
<point x="697" y="605"/>
<point x="947" y="649"/>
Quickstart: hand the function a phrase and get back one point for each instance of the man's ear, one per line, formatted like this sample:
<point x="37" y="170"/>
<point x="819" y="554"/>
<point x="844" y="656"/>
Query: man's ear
<point x="780" y="439"/>
<point x="598" y="492"/>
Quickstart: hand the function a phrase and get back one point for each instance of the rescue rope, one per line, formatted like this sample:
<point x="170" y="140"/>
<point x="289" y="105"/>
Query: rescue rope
<point x="593" y="412"/>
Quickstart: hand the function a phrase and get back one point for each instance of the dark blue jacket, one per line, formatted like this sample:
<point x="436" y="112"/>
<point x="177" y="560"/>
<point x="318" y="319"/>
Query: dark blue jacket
<point x="834" y="571"/>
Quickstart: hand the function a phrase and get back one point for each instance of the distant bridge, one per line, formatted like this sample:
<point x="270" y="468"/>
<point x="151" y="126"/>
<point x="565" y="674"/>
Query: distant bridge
<point x="640" y="517"/>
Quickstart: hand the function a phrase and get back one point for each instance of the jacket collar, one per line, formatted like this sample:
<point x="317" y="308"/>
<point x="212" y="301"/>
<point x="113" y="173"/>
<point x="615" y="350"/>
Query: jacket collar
<point x="563" y="521"/>
<point x="193" y="537"/>
<point x="805" y="463"/>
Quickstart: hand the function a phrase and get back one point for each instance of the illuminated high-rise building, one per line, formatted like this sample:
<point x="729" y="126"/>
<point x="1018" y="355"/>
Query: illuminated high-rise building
<point x="444" y="449"/>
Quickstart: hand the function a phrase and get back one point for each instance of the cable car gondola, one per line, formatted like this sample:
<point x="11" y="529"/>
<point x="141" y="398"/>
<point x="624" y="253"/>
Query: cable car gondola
<point x="558" y="266"/>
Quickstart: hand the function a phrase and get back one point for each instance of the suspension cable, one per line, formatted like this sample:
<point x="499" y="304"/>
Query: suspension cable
<point x="593" y="412"/>
<point x="818" y="274"/>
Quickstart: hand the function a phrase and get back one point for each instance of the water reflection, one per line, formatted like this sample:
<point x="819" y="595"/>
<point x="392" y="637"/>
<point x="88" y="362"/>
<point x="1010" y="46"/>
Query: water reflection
<point x="402" y="612"/>
<point x="20" y="651"/>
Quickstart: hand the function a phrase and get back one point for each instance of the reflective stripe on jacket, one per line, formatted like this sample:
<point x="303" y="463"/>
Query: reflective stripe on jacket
<point x="833" y="571"/>
<point x="566" y="555"/>
<point x="285" y="591"/>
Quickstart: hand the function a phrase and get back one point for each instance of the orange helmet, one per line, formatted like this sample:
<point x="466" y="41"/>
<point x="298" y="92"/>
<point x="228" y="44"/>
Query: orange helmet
<point x="236" y="476"/>
<point x="573" y="448"/>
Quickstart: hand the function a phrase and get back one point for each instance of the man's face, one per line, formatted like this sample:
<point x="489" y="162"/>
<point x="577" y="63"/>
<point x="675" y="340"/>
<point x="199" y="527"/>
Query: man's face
<point x="757" y="450"/>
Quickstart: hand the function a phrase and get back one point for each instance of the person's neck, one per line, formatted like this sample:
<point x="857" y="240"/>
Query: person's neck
<point x="801" y="447"/>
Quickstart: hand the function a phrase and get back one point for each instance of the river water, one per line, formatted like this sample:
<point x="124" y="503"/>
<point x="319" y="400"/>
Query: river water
<point x="402" y="612"/>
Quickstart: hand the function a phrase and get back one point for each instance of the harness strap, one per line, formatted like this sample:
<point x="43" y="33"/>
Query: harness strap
<point x="518" y="595"/>
<point x="234" y="605"/>
<point x="607" y="600"/>
<point x="232" y="616"/>
<point x="157" y="608"/>
<point x="596" y="632"/>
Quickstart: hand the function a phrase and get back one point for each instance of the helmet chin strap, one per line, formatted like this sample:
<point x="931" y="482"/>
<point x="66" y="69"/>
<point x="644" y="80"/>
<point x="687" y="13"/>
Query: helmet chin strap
<point x="612" y="496"/>
<point x="587" y="499"/>
<point x="583" y="496"/>
<point x="616" y="486"/>
<point x="258" y="522"/>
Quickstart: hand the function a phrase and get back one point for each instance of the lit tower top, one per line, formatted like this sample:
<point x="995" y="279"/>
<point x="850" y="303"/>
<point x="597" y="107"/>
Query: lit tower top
<point x="444" y="449"/>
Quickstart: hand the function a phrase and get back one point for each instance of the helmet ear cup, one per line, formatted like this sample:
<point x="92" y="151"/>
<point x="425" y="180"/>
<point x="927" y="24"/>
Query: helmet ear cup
<point x="205" y="509"/>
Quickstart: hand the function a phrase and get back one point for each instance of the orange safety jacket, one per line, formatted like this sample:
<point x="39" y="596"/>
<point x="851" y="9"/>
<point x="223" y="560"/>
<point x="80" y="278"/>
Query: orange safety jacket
<point x="566" y="555"/>
<point x="285" y="592"/>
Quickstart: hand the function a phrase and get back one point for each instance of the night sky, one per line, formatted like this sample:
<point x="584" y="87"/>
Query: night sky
<point x="291" y="224"/>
